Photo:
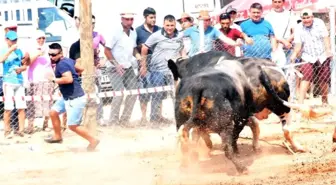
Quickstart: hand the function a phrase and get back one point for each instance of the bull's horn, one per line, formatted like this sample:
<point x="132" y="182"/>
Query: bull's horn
<point x="307" y="111"/>
<point x="292" y="105"/>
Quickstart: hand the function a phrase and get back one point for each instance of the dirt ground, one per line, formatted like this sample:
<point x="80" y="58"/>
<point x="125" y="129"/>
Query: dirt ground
<point x="144" y="156"/>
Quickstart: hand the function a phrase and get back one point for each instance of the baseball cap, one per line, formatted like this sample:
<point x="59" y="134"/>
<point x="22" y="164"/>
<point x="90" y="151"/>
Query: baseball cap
<point x="231" y="9"/>
<point x="39" y="34"/>
<point x="11" y="35"/>
<point x="306" y="12"/>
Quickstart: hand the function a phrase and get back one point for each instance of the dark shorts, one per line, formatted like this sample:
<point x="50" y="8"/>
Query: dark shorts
<point x="316" y="72"/>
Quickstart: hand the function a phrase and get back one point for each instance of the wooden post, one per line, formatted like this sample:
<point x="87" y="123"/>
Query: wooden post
<point x="86" y="52"/>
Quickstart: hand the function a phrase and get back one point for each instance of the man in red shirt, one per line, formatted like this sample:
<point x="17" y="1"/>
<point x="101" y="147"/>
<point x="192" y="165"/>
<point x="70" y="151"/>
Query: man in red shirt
<point x="232" y="33"/>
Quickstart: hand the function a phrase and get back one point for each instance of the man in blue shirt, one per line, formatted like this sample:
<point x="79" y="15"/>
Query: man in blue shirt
<point x="12" y="59"/>
<point x="261" y="31"/>
<point x="74" y="98"/>
<point x="211" y="34"/>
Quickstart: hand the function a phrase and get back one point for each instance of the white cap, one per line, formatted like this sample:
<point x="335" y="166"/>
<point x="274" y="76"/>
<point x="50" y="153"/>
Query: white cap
<point x="127" y="13"/>
<point x="39" y="33"/>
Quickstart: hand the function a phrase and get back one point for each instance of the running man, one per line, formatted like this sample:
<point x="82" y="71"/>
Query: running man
<point x="75" y="101"/>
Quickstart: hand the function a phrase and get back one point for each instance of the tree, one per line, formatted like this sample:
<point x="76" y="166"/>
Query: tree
<point x="86" y="46"/>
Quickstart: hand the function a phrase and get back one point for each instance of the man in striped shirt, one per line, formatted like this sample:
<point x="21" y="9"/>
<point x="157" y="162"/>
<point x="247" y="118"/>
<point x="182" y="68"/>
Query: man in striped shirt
<point x="311" y="37"/>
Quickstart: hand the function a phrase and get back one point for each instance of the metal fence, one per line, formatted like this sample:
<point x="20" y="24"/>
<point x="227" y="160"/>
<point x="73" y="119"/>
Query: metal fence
<point x="130" y="99"/>
<point x="319" y="74"/>
<point x="126" y="100"/>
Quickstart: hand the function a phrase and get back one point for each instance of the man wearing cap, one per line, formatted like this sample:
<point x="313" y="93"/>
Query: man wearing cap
<point x="186" y="21"/>
<point x="311" y="37"/>
<point x="121" y="51"/>
<point x="143" y="32"/>
<point x="12" y="59"/>
<point x="8" y="26"/>
<point x="261" y="31"/>
<point x="210" y="35"/>
<point x="232" y="12"/>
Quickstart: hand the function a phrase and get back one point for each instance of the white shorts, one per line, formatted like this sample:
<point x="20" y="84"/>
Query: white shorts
<point x="18" y="92"/>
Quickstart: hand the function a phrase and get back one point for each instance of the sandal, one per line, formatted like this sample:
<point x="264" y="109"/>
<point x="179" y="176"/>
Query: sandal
<point x="8" y="135"/>
<point x="29" y="131"/>
<point x="19" y="133"/>
<point x="52" y="140"/>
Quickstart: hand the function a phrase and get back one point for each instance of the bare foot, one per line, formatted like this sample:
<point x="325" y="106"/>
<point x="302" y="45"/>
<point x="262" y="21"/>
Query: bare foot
<point x="92" y="146"/>
<point x="334" y="145"/>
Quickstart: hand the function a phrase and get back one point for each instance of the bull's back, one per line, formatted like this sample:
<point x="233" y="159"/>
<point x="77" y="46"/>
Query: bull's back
<point x="198" y="63"/>
<point x="215" y="89"/>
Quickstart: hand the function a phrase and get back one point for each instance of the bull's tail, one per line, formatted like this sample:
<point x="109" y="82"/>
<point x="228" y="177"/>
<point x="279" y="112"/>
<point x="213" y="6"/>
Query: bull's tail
<point x="196" y="100"/>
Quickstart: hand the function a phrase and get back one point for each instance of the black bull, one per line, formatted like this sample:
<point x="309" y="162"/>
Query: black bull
<point x="219" y="93"/>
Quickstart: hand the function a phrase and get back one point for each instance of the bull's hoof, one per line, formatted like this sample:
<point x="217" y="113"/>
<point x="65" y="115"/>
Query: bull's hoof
<point x="194" y="156"/>
<point x="235" y="149"/>
<point x="243" y="171"/>
<point x="257" y="149"/>
<point x="299" y="149"/>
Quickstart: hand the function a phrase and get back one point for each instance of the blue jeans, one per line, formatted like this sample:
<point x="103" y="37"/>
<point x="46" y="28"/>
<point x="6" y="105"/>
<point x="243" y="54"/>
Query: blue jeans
<point x="157" y="79"/>
<point x="74" y="109"/>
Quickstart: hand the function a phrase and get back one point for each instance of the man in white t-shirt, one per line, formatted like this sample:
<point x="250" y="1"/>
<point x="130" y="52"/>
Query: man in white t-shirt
<point x="283" y="22"/>
<point x="121" y="51"/>
<point x="70" y="37"/>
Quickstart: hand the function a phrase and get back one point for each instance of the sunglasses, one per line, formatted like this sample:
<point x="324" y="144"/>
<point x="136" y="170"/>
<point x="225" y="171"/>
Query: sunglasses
<point x="233" y="13"/>
<point x="53" y="54"/>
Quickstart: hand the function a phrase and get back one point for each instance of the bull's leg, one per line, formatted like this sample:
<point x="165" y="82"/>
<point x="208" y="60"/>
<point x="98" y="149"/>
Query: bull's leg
<point x="286" y="121"/>
<point x="333" y="149"/>
<point x="253" y="122"/>
<point x="236" y="131"/>
<point x="183" y="139"/>
<point x="206" y="138"/>
<point x="227" y="139"/>
<point x="194" y="136"/>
